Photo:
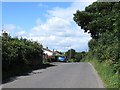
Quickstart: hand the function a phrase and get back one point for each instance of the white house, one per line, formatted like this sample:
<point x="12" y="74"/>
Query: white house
<point x="47" y="52"/>
<point x="50" y="55"/>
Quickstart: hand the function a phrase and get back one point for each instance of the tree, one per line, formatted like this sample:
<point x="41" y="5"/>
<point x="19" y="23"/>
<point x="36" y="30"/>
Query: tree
<point x="97" y="18"/>
<point x="102" y="21"/>
<point x="79" y="56"/>
<point x="70" y="54"/>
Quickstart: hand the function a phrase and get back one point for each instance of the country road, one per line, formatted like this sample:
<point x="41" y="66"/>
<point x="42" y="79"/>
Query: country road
<point x="62" y="75"/>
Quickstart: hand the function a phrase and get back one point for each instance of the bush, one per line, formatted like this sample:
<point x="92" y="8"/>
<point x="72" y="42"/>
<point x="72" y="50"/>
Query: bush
<point x="19" y="53"/>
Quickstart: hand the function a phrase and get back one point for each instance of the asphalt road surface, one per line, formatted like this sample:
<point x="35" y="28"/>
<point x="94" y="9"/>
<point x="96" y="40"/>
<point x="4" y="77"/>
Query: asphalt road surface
<point x="62" y="75"/>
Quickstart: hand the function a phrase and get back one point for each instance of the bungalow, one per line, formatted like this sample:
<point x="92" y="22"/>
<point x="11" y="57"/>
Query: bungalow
<point x="48" y="52"/>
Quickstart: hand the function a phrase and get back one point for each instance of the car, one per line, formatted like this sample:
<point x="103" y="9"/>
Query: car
<point x="62" y="59"/>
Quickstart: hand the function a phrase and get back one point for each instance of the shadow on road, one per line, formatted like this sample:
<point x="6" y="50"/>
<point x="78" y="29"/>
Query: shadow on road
<point x="28" y="73"/>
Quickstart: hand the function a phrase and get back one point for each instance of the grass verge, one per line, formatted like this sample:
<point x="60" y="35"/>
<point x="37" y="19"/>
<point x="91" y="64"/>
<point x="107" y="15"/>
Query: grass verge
<point x="110" y="79"/>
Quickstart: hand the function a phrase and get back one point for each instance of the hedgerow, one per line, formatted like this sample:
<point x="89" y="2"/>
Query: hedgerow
<point x="19" y="55"/>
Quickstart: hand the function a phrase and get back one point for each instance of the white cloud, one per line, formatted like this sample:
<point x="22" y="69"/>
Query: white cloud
<point x="21" y="33"/>
<point x="15" y="31"/>
<point x="60" y="37"/>
<point x="59" y="31"/>
<point x="67" y="13"/>
<point x="9" y="28"/>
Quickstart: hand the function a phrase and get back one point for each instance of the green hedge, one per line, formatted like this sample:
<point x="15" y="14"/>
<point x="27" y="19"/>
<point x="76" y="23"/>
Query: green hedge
<point x="19" y="55"/>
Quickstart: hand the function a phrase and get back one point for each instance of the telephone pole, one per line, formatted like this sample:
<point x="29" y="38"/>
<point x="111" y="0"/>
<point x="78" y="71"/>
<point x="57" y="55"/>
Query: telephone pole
<point x="70" y="51"/>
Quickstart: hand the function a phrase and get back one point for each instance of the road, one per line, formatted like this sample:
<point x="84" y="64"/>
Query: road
<point x="62" y="75"/>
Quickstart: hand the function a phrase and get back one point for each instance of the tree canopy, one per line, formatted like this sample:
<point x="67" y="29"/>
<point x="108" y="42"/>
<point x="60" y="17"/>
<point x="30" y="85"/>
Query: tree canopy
<point x="70" y="54"/>
<point x="102" y="21"/>
<point x="98" y="18"/>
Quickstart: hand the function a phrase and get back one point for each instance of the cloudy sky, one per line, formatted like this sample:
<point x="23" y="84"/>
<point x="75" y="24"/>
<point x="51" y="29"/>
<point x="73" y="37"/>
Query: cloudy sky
<point x="49" y="23"/>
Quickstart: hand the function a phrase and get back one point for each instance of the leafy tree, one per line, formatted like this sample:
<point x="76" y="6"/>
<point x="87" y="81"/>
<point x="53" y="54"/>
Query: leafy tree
<point x="80" y="56"/>
<point x="97" y="18"/>
<point x="102" y="21"/>
<point x="70" y="54"/>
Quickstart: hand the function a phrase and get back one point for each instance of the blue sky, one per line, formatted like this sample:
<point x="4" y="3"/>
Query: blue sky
<point x="25" y="13"/>
<point x="49" y="23"/>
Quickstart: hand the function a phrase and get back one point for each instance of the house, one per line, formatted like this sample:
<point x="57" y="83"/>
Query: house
<point x="48" y="52"/>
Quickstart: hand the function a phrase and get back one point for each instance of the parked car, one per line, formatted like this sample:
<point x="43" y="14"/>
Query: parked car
<point x="62" y="59"/>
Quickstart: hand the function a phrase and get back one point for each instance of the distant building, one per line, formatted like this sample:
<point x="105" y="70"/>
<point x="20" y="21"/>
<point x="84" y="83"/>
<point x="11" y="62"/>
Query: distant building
<point x="48" y="52"/>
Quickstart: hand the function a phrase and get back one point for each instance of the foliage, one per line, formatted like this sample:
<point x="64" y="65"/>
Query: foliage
<point x="71" y="60"/>
<point x="98" y="18"/>
<point x="102" y="21"/>
<point x="74" y="56"/>
<point x="19" y="53"/>
<point x="110" y="79"/>
<point x="70" y="54"/>
<point x="80" y="56"/>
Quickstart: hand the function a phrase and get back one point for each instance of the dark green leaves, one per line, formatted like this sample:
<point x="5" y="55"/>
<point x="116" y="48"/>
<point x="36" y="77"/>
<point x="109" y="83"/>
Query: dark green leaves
<point x="19" y="54"/>
<point x="97" y="18"/>
<point x="102" y="21"/>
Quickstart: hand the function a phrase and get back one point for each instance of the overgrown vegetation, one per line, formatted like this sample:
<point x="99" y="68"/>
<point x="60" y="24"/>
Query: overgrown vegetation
<point x="102" y="21"/>
<point x="70" y="54"/>
<point x="110" y="79"/>
<point x="19" y="55"/>
<point x="73" y="56"/>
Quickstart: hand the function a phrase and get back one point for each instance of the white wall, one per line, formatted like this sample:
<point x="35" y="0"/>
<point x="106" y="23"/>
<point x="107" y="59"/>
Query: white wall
<point x="48" y="53"/>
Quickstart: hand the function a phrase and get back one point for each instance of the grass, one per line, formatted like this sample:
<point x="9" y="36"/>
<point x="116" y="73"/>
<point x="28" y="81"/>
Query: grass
<point x="110" y="79"/>
<point x="71" y="60"/>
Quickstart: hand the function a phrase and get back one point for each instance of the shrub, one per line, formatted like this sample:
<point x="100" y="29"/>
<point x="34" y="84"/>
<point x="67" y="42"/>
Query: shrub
<point x="19" y="53"/>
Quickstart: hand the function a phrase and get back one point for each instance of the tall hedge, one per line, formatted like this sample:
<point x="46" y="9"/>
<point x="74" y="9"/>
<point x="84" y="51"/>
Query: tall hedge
<point x="102" y="21"/>
<point x="19" y="55"/>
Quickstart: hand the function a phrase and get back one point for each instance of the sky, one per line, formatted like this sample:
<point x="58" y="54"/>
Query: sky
<point x="49" y="23"/>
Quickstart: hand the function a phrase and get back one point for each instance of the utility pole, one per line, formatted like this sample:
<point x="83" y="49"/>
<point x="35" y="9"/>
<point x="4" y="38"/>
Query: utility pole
<point x="70" y="51"/>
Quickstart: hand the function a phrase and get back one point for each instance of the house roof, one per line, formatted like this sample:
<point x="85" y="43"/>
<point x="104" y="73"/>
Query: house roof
<point x="47" y="49"/>
<point x="54" y="52"/>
